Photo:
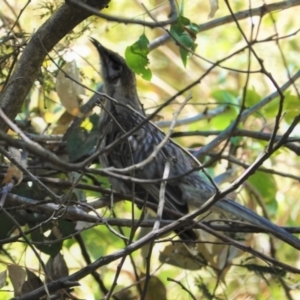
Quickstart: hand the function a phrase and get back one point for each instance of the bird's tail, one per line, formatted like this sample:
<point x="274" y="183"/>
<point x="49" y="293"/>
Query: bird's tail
<point x="242" y="213"/>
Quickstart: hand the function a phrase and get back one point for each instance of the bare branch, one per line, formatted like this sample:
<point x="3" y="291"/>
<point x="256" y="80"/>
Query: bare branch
<point x="91" y="10"/>
<point x="259" y="11"/>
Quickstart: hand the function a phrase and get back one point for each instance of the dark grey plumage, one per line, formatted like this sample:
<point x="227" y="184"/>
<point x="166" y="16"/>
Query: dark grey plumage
<point x="191" y="189"/>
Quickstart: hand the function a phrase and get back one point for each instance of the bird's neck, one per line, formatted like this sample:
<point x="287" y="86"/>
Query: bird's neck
<point x="124" y="97"/>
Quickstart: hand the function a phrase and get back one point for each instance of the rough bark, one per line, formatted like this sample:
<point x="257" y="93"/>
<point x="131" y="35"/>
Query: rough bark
<point x="42" y="41"/>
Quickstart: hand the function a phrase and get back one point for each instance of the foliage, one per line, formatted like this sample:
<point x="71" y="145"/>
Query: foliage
<point x="136" y="57"/>
<point x="60" y="219"/>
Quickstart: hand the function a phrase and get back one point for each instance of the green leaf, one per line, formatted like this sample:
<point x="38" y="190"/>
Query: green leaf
<point x="81" y="142"/>
<point x="236" y="140"/>
<point x="252" y="98"/>
<point x="183" y="32"/>
<point x="193" y="27"/>
<point x="265" y="184"/>
<point x="49" y="244"/>
<point x="223" y="120"/>
<point x="136" y="57"/>
<point x="291" y="107"/>
<point x="225" y="98"/>
<point x="186" y="40"/>
<point x="184" y="21"/>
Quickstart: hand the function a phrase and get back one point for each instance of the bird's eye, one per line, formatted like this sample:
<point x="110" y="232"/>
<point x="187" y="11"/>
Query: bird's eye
<point x="114" y="70"/>
<point x="116" y="67"/>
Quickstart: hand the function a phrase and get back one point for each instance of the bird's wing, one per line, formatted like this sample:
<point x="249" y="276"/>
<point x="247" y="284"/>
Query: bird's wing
<point x="193" y="189"/>
<point x="186" y="189"/>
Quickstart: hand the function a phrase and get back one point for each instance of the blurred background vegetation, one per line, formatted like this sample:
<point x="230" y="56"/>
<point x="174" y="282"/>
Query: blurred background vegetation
<point x="231" y="81"/>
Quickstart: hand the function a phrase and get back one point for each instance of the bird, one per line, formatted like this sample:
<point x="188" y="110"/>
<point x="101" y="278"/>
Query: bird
<point x="123" y="112"/>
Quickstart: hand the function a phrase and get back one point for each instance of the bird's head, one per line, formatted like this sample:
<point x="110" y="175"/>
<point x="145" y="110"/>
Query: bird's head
<point x="118" y="79"/>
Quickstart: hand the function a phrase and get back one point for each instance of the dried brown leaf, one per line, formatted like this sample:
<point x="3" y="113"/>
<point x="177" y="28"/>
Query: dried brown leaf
<point x="69" y="91"/>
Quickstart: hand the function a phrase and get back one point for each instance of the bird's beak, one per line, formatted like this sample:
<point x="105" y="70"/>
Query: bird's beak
<point x="104" y="54"/>
<point x="98" y="46"/>
<point x="110" y="67"/>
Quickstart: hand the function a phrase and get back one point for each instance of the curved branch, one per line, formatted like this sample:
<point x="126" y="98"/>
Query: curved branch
<point x="41" y="42"/>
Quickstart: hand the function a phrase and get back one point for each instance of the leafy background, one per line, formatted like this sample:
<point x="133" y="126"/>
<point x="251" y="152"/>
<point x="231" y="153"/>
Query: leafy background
<point x="228" y="87"/>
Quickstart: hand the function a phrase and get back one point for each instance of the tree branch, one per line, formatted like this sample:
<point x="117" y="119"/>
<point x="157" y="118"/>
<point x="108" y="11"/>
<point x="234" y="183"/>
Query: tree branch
<point x="63" y="20"/>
